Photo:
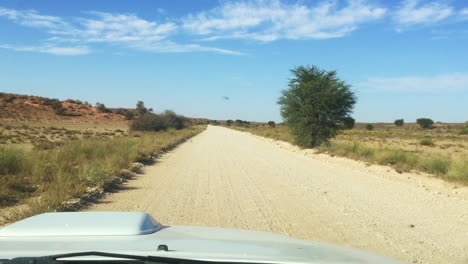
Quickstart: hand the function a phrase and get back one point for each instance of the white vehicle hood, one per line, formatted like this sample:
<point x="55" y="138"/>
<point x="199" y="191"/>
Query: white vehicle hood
<point x="189" y="242"/>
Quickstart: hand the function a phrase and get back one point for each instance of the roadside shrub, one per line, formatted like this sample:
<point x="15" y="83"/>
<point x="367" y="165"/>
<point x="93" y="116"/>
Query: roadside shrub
<point x="271" y="123"/>
<point x="466" y="124"/>
<point x="399" y="122"/>
<point x="425" y="122"/>
<point x="158" y="122"/>
<point x="315" y="104"/>
<point x="348" y="122"/>
<point x="426" y="142"/>
<point x="148" y="122"/>
<point x="463" y="131"/>
<point x="369" y="127"/>
<point x="229" y="122"/>
<point x="173" y="120"/>
<point x="437" y="165"/>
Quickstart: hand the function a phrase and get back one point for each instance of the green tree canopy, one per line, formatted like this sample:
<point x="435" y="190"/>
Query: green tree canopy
<point x="315" y="104"/>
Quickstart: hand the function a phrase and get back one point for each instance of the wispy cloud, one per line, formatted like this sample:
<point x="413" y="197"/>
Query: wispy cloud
<point x="126" y="30"/>
<point x="32" y="18"/>
<point x="269" y="20"/>
<point x="66" y="51"/>
<point x="450" y="82"/>
<point x="415" y="12"/>
<point x="259" y="20"/>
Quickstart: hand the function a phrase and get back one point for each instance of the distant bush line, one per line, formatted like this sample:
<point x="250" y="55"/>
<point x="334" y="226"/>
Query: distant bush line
<point x="156" y="122"/>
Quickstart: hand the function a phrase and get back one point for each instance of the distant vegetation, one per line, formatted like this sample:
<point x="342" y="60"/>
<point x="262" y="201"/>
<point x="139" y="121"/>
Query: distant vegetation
<point x="102" y="108"/>
<point x="425" y="122"/>
<point x="399" y="122"/>
<point x="148" y="121"/>
<point x="56" y="105"/>
<point x="315" y="104"/>
<point x="442" y="150"/>
<point x="369" y="127"/>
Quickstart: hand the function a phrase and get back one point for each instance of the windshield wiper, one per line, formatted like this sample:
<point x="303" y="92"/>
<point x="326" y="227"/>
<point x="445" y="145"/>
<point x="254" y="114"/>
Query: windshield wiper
<point x="58" y="259"/>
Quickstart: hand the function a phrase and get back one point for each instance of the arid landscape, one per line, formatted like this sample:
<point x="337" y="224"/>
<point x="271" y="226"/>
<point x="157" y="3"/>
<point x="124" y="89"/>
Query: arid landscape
<point x="251" y="179"/>
<point x="251" y="131"/>
<point x="441" y="151"/>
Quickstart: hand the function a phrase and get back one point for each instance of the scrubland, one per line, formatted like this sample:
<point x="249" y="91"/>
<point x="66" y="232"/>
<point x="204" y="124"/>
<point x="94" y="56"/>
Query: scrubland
<point x="47" y="166"/>
<point x="441" y="151"/>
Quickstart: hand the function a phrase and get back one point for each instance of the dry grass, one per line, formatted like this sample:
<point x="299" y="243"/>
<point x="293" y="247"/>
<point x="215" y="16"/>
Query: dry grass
<point x="58" y="173"/>
<point x="442" y="151"/>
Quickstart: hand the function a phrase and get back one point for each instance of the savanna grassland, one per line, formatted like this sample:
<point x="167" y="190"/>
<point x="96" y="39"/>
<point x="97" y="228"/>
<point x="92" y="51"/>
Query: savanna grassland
<point x="49" y="160"/>
<point x="441" y="150"/>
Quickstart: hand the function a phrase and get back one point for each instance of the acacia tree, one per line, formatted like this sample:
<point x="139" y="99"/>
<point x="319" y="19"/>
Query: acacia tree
<point x="425" y="122"/>
<point x="315" y="104"/>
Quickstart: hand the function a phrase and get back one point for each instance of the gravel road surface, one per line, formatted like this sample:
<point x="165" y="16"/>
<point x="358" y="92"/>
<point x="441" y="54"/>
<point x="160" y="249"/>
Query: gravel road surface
<point x="227" y="178"/>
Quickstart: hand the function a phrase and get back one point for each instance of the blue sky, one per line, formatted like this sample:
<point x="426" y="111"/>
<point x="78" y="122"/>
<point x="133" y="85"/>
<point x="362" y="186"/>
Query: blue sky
<point x="404" y="59"/>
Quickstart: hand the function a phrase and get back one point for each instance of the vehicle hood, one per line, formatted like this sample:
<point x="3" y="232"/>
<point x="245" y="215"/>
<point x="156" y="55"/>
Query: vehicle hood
<point x="135" y="233"/>
<point x="201" y="243"/>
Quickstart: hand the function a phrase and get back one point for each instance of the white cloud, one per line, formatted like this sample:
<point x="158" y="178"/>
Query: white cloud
<point x="412" y="12"/>
<point x="31" y="18"/>
<point x="126" y="30"/>
<point x="268" y="20"/>
<point x="56" y="50"/>
<point x="122" y="28"/>
<point x="439" y="83"/>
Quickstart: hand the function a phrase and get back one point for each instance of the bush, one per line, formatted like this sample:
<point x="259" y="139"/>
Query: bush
<point x="271" y="123"/>
<point x="242" y="123"/>
<point x="173" y="120"/>
<point x="155" y="122"/>
<point x="56" y="105"/>
<point x="229" y="122"/>
<point x="425" y="122"/>
<point x="426" y="142"/>
<point x="348" y="122"/>
<point x="315" y="104"/>
<point x="463" y="131"/>
<point x="369" y="127"/>
<point x="8" y="98"/>
<point x="466" y="124"/>
<point x="148" y="122"/>
<point x="141" y="109"/>
<point x="126" y="113"/>
<point x="129" y="115"/>
<point x="399" y="122"/>
<point x="102" y="108"/>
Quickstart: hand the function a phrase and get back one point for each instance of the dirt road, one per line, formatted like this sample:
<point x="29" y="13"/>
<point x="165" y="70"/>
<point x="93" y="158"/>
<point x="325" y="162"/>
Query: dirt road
<point x="228" y="178"/>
